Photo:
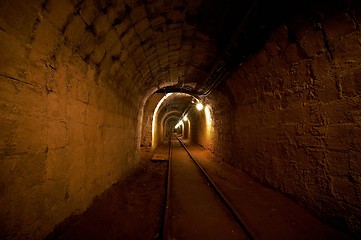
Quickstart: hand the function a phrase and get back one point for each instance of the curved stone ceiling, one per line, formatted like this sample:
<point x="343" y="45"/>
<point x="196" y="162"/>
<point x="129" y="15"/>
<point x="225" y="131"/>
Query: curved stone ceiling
<point x="175" y="104"/>
<point x="153" y="43"/>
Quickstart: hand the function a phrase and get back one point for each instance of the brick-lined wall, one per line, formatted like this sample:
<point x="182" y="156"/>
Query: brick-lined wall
<point x="297" y="116"/>
<point x="214" y="132"/>
<point x="149" y="108"/>
<point x="68" y="121"/>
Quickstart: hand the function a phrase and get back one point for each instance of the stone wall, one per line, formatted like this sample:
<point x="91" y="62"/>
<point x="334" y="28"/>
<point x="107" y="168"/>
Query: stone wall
<point x="68" y="120"/>
<point x="202" y="131"/>
<point x="297" y="115"/>
<point x="149" y="108"/>
<point x="212" y="127"/>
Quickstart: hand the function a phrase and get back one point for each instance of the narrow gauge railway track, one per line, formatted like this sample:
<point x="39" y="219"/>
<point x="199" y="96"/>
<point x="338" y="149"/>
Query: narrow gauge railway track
<point x="194" y="206"/>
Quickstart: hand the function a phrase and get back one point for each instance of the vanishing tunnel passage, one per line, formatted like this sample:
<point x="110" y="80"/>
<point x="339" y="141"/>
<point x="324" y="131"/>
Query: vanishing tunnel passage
<point x="91" y="89"/>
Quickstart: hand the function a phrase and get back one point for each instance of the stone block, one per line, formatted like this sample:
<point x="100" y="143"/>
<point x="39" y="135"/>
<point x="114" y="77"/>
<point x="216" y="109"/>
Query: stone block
<point x="313" y="43"/>
<point x="7" y="169"/>
<point x="19" y="19"/>
<point x="176" y="16"/>
<point x="114" y="70"/>
<point x="138" y="13"/>
<point x="139" y="56"/>
<point x="87" y="45"/>
<point x="158" y="21"/>
<point x="56" y="206"/>
<point x="56" y="106"/>
<point x="339" y="26"/>
<point x="31" y="100"/>
<point x="7" y="91"/>
<point x="349" y="82"/>
<point x="262" y="58"/>
<point x="25" y="173"/>
<point x="13" y="57"/>
<point x="130" y="67"/>
<point x="150" y="51"/>
<point x="175" y="34"/>
<point x="129" y="37"/>
<point x="57" y="12"/>
<point x="76" y="110"/>
<point x="161" y="37"/>
<point x="343" y="190"/>
<point x="57" y="134"/>
<point x="142" y="25"/>
<point x="26" y="208"/>
<point x="162" y="45"/>
<point x="46" y="38"/>
<point x="116" y="50"/>
<point x="30" y="135"/>
<point x="154" y="7"/>
<point x="57" y="165"/>
<point x="76" y="170"/>
<point x="93" y="136"/>
<point x="111" y="39"/>
<point x="325" y="81"/>
<point x="98" y="55"/>
<point x="346" y="51"/>
<point x="82" y="91"/>
<point x="294" y="53"/>
<point x="88" y="11"/>
<point x="91" y="115"/>
<point x="74" y="32"/>
<point x="101" y="24"/>
<point x="123" y="27"/>
<point x="272" y="48"/>
<point x="75" y="134"/>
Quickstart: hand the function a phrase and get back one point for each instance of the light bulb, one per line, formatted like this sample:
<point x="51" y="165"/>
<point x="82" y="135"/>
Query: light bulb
<point x="199" y="106"/>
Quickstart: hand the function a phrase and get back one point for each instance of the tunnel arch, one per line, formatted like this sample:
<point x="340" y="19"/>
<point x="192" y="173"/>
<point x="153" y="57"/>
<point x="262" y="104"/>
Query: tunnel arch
<point x="169" y="126"/>
<point x="174" y="103"/>
<point x="282" y="80"/>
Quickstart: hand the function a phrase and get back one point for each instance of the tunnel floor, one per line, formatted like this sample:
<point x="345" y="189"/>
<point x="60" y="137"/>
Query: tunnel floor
<point x="196" y="211"/>
<point x="132" y="209"/>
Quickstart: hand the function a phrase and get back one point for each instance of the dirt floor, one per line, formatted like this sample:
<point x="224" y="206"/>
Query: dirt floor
<point x="266" y="214"/>
<point x="133" y="208"/>
<point x="196" y="211"/>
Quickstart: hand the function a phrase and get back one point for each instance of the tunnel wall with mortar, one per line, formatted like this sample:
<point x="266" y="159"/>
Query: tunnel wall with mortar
<point x="149" y="108"/>
<point x="214" y="132"/>
<point x="297" y="116"/>
<point x="68" y="128"/>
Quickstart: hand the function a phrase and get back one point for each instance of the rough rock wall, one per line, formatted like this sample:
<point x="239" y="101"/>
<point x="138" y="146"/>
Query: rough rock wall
<point x="202" y="130"/>
<point x="67" y="127"/>
<point x="149" y="108"/>
<point x="297" y="116"/>
<point x="212" y="126"/>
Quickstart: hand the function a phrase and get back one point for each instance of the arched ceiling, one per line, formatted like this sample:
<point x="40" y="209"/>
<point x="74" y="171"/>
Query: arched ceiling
<point x="174" y="105"/>
<point x="171" y="45"/>
<point x="154" y="43"/>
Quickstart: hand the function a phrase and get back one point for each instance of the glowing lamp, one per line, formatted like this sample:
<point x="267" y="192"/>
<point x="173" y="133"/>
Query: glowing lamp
<point x="199" y="106"/>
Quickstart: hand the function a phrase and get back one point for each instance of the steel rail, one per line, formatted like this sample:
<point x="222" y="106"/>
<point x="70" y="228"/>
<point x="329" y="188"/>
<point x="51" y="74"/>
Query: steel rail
<point x="165" y="226"/>
<point x="231" y="208"/>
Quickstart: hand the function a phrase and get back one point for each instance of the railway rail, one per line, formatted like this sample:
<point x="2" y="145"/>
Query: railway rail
<point x="194" y="205"/>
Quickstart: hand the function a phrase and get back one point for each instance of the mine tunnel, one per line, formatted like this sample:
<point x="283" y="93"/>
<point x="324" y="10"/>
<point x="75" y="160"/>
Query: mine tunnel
<point x="270" y="89"/>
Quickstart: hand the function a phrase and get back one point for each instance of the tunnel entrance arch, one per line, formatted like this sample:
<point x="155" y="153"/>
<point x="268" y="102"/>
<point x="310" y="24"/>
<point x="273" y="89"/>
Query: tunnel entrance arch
<point x="157" y="109"/>
<point x="169" y="127"/>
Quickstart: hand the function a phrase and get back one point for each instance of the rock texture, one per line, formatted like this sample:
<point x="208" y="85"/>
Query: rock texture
<point x="75" y="77"/>
<point x="297" y="125"/>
